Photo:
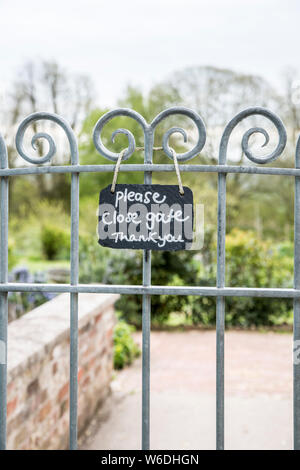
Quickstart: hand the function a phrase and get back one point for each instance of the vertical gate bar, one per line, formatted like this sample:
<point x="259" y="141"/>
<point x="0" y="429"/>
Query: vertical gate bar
<point x="74" y="310"/>
<point x="3" y="296"/>
<point x="296" y="364"/>
<point x="146" y="316"/>
<point x="220" y="312"/>
<point x="74" y="264"/>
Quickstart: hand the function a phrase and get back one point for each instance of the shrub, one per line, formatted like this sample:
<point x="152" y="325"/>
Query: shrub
<point x="28" y="225"/>
<point x="55" y="242"/>
<point x="125" y="349"/>
<point x="93" y="259"/>
<point x="98" y="264"/>
<point x="250" y="262"/>
<point x="169" y="269"/>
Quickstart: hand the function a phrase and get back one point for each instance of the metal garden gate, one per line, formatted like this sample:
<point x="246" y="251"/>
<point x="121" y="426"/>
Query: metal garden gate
<point x="74" y="288"/>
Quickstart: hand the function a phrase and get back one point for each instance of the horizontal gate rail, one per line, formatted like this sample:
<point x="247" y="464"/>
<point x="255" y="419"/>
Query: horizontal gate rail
<point x="155" y="168"/>
<point x="147" y="290"/>
<point x="153" y="290"/>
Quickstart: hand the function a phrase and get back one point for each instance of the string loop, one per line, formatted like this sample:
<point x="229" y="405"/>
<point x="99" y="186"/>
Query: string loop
<point x="118" y="164"/>
<point x="177" y="171"/>
<point x="117" y="167"/>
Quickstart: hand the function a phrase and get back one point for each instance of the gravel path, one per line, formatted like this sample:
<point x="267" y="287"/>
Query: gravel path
<point x="258" y="384"/>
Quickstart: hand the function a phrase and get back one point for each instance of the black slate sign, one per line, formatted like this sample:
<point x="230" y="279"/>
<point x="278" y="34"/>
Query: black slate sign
<point x="146" y="217"/>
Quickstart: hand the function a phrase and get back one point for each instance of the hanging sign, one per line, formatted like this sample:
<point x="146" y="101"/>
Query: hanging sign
<point x="146" y="217"/>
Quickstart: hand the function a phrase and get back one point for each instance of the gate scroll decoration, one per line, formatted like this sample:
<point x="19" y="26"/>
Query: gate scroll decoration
<point x="146" y="290"/>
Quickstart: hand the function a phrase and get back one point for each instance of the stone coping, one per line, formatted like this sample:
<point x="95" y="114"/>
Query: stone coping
<point x="38" y="331"/>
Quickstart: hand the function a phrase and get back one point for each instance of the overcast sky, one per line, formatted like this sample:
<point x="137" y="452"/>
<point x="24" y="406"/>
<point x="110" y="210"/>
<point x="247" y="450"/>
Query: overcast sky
<point x="117" y="42"/>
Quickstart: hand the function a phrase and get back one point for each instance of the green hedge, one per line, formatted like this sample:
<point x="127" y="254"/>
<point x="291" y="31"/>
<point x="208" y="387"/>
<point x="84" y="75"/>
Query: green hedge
<point x="55" y="242"/>
<point x="250" y="262"/>
<point x="98" y="264"/>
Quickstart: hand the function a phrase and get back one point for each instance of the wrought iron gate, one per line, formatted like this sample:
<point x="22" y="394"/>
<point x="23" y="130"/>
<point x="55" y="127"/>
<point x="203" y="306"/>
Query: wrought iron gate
<point x="147" y="290"/>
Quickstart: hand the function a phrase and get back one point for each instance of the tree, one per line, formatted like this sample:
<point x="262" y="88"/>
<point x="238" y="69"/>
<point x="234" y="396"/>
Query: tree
<point x="45" y="86"/>
<point x="217" y="95"/>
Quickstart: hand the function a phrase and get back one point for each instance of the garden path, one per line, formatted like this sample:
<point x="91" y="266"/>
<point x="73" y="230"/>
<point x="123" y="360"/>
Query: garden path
<point x="258" y="401"/>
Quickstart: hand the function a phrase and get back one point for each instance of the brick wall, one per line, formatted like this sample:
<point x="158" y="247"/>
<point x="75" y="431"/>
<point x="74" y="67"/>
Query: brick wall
<point x="38" y="369"/>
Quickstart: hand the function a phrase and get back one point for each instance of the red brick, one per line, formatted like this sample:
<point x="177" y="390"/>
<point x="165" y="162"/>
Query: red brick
<point x="11" y="406"/>
<point x="33" y="387"/>
<point x="21" y="438"/>
<point x="80" y="374"/>
<point x="98" y="317"/>
<point x="63" y="392"/>
<point x="41" y="397"/>
<point x="85" y="328"/>
<point x="54" y="368"/>
<point x="63" y="407"/>
<point x="109" y="333"/>
<point x="86" y="381"/>
<point x="10" y="388"/>
<point x="45" y="411"/>
<point x="103" y="352"/>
